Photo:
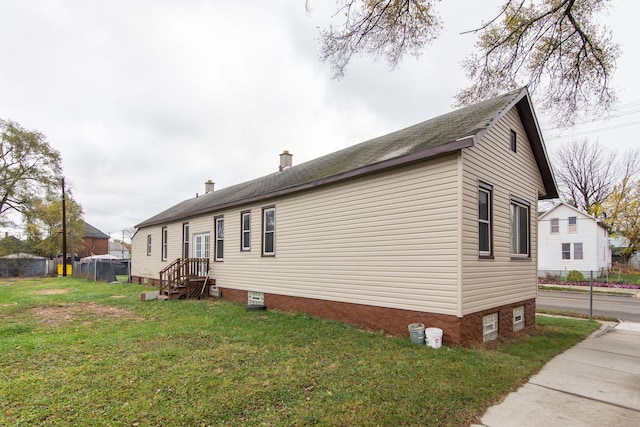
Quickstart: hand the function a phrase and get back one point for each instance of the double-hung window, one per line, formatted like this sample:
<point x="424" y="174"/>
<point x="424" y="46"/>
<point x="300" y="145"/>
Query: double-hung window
<point x="245" y="239"/>
<point x="520" y="239"/>
<point x="269" y="231"/>
<point x="185" y="240"/>
<point x="219" y="238"/>
<point x="485" y="240"/>
<point x="555" y="225"/>
<point x="573" y="224"/>
<point x="165" y="243"/>
<point x="148" y="244"/>
<point x="577" y="251"/>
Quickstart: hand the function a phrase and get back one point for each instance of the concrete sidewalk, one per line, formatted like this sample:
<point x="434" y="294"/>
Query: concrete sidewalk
<point x="595" y="383"/>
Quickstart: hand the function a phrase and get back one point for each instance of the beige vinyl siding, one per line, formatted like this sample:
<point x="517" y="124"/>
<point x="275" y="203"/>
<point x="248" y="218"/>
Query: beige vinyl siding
<point x="146" y="265"/>
<point x="150" y="266"/>
<point x="384" y="240"/>
<point x="488" y="283"/>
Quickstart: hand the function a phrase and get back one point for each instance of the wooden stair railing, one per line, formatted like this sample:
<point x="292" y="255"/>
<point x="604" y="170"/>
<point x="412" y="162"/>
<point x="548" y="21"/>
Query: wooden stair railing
<point x="178" y="279"/>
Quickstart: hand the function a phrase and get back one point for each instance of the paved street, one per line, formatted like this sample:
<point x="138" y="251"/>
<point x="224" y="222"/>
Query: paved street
<point x="625" y="308"/>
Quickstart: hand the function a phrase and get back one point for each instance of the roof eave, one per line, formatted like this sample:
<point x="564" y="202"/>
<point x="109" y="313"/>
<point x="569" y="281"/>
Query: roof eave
<point x="531" y="127"/>
<point x="369" y="169"/>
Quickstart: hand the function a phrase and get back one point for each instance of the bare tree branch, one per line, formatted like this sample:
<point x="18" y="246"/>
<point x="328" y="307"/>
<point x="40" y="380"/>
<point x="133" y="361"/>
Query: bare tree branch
<point x="588" y="176"/>
<point x="559" y="52"/>
<point x="382" y="28"/>
<point x="556" y="48"/>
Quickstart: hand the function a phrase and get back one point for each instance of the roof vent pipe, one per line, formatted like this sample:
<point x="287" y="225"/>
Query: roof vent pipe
<point x="286" y="160"/>
<point x="208" y="186"/>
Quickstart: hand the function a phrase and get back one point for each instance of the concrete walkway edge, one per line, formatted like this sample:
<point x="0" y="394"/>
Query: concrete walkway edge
<point x="594" y="383"/>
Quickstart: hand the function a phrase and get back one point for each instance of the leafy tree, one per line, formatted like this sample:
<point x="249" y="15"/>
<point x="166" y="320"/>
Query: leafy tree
<point x="29" y="167"/>
<point x="44" y="225"/>
<point x="11" y="245"/>
<point x="623" y="207"/>
<point x="588" y="175"/>
<point x="555" y="47"/>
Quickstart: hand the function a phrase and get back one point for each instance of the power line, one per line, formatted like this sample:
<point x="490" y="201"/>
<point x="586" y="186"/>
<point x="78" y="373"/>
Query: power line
<point x="619" y="112"/>
<point x="123" y="195"/>
<point x="590" y="131"/>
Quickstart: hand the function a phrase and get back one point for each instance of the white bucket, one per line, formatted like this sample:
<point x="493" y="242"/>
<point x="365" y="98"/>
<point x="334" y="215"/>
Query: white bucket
<point x="433" y="337"/>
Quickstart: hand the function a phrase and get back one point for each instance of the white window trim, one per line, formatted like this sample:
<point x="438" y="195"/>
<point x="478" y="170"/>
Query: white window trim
<point x="572" y="228"/>
<point x="265" y="231"/>
<point x="185" y="240"/>
<point x="219" y="243"/>
<point x="245" y="247"/>
<point x="148" y="244"/>
<point x="165" y="243"/>
<point x="519" y="204"/>
<point x="488" y="189"/>
<point x="201" y="242"/>
<point x="575" y="252"/>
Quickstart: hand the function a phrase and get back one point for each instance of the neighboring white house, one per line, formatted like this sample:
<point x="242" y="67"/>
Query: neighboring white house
<point x="433" y="224"/>
<point x="118" y="250"/>
<point x="570" y="239"/>
<point x="618" y="242"/>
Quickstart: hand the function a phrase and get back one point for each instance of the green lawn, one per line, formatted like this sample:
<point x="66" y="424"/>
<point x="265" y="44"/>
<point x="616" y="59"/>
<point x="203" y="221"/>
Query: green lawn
<point x="633" y="278"/>
<point x="73" y="352"/>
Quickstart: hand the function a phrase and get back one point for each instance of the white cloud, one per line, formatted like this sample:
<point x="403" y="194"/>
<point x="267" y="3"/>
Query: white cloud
<point x="146" y="100"/>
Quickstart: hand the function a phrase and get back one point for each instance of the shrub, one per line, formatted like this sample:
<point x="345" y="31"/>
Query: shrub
<point x="550" y="276"/>
<point x="575" y="276"/>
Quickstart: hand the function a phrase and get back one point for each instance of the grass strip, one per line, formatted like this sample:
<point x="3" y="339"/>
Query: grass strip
<point x="73" y="352"/>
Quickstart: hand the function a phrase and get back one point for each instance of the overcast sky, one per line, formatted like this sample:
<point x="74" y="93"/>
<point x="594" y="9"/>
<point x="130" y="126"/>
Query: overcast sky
<point x="148" y="99"/>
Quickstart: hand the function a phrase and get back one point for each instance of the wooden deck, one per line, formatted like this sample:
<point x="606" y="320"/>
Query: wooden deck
<point x="185" y="278"/>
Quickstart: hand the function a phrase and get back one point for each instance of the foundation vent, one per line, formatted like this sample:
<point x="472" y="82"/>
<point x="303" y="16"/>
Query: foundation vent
<point x="255" y="298"/>
<point x="490" y="327"/>
<point x="518" y="318"/>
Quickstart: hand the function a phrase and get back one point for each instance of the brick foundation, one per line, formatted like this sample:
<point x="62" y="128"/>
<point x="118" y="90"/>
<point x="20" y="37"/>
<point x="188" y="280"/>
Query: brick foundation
<point x="463" y="331"/>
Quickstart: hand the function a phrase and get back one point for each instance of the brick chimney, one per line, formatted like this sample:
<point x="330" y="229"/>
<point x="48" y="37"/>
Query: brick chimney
<point x="208" y="186"/>
<point x="286" y="160"/>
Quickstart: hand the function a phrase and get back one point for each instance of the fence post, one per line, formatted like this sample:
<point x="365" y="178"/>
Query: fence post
<point x="590" y="295"/>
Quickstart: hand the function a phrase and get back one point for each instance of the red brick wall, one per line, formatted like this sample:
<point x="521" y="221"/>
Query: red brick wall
<point x="463" y="331"/>
<point x="471" y="330"/>
<point x="93" y="246"/>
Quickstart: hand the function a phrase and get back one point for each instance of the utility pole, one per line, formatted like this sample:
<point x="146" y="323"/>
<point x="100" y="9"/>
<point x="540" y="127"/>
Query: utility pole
<point x="64" y="234"/>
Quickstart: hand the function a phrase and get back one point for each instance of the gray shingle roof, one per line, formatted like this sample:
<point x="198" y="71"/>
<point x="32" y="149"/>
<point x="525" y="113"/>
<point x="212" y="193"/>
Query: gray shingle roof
<point x="447" y="133"/>
<point x="91" y="231"/>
